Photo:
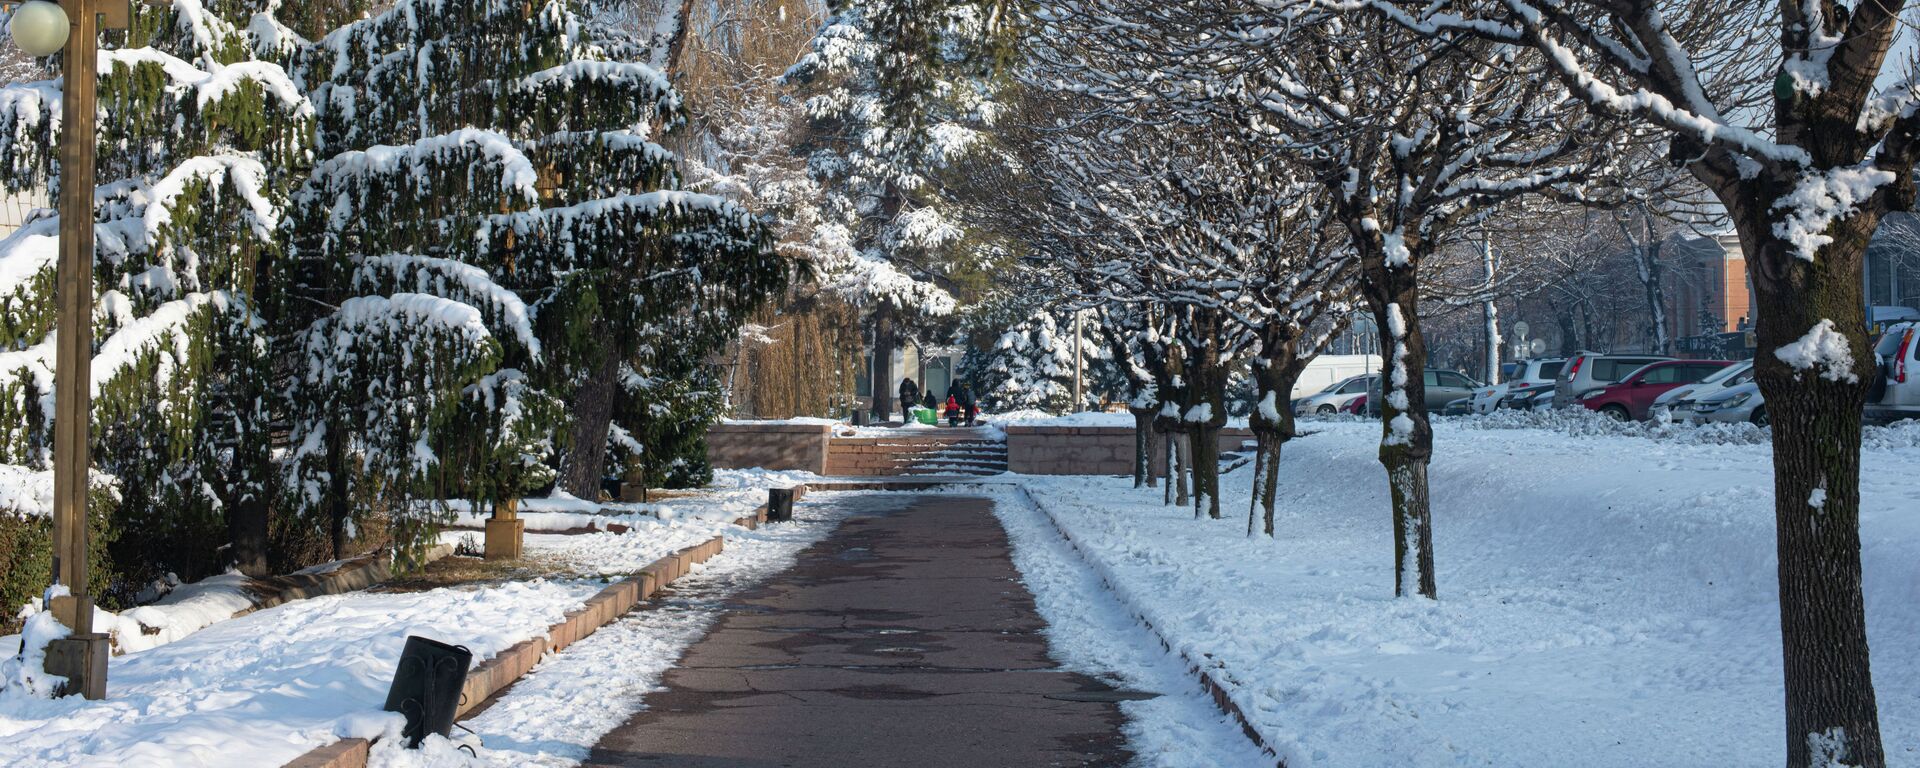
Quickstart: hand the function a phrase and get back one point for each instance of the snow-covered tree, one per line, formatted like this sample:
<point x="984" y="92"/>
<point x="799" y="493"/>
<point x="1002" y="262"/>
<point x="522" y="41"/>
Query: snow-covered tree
<point x="202" y="135"/>
<point x="888" y="119"/>
<point x="506" y="175"/>
<point x="348" y="264"/>
<point x="1031" y="365"/>
<point x="1806" y="177"/>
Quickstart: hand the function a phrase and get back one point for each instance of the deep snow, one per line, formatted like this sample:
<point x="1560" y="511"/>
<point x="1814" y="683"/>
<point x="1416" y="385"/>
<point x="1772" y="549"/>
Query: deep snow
<point x="1604" y="600"/>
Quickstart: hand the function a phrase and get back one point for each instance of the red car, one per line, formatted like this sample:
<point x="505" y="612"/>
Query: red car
<point x="1632" y="397"/>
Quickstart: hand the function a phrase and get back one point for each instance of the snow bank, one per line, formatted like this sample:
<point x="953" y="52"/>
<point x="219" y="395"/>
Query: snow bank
<point x="1089" y="419"/>
<point x="673" y="524"/>
<point x="1606" y="601"/>
<point x="808" y="420"/>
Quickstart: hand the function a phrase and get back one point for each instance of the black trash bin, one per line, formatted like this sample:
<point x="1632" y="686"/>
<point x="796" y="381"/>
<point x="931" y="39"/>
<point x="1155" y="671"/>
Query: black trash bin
<point x="779" y="505"/>
<point x="426" y="687"/>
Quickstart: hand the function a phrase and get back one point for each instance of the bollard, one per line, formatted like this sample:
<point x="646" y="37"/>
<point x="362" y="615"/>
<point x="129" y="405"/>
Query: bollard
<point x="779" y="505"/>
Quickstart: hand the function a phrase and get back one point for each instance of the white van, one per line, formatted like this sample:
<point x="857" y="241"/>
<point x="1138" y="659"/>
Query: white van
<point x="1327" y="370"/>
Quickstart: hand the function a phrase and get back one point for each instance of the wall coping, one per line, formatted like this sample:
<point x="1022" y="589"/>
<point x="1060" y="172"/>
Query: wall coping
<point x="1045" y="430"/>
<point x="752" y="427"/>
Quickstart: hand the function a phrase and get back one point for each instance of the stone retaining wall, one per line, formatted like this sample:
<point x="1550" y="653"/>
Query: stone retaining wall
<point x="769" y="445"/>
<point x="1091" y="450"/>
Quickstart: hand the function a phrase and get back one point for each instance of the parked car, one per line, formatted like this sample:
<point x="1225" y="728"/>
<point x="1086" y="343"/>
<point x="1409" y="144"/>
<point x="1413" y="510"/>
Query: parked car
<point x="1678" y="402"/>
<point x="1741" y="402"/>
<point x="1356" y="406"/>
<point x="1328" y="401"/>
<point x="1460" y="407"/>
<point x="1442" y="387"/>
<point x="1589" y="371"/>
<point x="1894" y="393"/>
<point x="1633" y="397"/>
<point x="1525" y="374"/>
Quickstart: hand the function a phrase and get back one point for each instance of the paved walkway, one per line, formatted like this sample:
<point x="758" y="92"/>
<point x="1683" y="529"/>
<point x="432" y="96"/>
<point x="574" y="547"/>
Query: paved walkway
<point x="902" y="639"/>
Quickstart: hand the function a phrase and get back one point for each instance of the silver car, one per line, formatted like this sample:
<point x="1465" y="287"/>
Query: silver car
<point x="1328" y="402"/>
<point x="1589" y="371"/>
<point x="1679" y="403"/>
<point x="1737" y="403"/>
<point x="1895" y="389"/>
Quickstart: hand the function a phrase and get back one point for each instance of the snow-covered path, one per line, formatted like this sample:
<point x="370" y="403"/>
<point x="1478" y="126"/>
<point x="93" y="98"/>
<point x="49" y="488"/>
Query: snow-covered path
<point x="1605" y="601"/>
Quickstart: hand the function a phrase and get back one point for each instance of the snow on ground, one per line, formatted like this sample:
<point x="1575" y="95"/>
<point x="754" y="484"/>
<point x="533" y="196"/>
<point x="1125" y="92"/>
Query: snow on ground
<point x="1081" y="419"/>
<point x="1605" y="600"/>
<point x="553" y="716"/>
<point x="266" y="687"/>
<point x="663" y="527"/>
<point x="1090" y="632"/>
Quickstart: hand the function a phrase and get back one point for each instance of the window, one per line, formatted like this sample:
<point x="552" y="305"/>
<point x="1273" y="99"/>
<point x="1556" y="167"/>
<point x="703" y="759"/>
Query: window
<point x="1697" y="372"/>
<point x="1451" y="379"/>
<point x="1354" y="387"/>
<point x="1551" y="370"/>
<point x="1617" y="368"/>
<point x="1666" y="374"/>
<point x="1431" y="378"/>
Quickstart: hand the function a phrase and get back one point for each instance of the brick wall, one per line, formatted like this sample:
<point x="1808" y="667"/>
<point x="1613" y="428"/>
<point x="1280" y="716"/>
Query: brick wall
<point x="768" y="445"/>
<point x="1090" y="450"/>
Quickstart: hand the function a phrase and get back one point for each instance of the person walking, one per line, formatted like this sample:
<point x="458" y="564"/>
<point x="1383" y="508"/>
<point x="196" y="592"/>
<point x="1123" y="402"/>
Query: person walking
<point x="909" y="397"/>
<point x="968" y="406"/>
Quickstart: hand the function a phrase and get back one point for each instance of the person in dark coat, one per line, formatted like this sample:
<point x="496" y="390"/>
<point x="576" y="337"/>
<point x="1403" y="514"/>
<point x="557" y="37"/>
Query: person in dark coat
<point x="968" y="406"/>
<point x="909" y="397"/>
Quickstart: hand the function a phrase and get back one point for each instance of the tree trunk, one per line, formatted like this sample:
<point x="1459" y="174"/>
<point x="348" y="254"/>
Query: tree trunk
<point x="882" y="370"/>
<point x="1569" y="335"/>
<point x="337" y="508"/>
<point x="1259" y="465"/>
<point x="1406" y="442"/>
<point x="1142" y="447"/>
<point x="1490" y="315"/>
<point x="1206" y="470"/>
<point x="1181" y="457"/>
<point x="1832" y="714"/>
<point x="247" y="529"/>
<point x="1271" y="484"/>
<point x="1647" y="265"/>
<point x="592" y="406"/>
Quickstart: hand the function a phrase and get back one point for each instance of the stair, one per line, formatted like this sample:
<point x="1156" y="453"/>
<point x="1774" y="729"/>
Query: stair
<point x="970" y="452"/>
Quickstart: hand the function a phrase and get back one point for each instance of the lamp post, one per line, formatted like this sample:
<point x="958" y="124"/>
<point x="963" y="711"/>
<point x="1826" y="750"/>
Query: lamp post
<point x="41" y="28"/>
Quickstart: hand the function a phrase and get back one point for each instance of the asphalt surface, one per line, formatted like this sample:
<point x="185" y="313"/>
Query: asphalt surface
<point x="902" y="639"/>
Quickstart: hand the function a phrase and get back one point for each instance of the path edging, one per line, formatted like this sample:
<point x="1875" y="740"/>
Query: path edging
<point x="1220" y="694"/>
<point x="495" y="674"/>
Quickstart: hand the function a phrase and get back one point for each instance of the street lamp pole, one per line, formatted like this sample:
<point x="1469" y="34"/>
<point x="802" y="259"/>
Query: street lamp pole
<point x="81" y="657"/>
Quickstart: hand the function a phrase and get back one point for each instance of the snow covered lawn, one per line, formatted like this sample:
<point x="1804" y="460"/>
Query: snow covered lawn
<point x="1605" y="601"/>
<point x="264" y="688"/>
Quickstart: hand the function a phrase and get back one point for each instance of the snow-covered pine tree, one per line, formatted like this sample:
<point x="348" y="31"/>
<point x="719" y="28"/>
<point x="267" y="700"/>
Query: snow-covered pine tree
<point x="199" y="142"/>
<point x="1030" y="367"/>
<point x="881" y="136"/>
<point x="491" y="227"/>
